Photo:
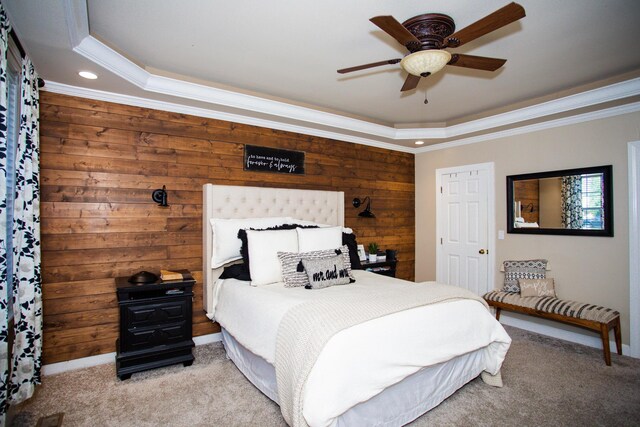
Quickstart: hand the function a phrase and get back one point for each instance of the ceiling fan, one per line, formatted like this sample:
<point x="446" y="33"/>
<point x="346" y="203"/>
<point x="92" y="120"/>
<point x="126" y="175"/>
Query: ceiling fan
<point x="427" y="36"/>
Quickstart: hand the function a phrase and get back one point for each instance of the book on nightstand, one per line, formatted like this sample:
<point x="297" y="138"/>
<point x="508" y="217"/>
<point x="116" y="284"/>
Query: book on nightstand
<point x="168" y="275"/>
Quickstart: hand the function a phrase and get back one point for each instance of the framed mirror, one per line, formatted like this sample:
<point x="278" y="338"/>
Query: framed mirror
<point x="575" y="202"/>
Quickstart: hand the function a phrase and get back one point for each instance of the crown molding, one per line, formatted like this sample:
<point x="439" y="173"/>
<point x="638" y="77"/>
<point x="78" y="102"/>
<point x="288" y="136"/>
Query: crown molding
<point x="135" y="101"/>
<point x="588" y="98"/>
<point x="77" y="20"/>
<point x="102" y="55"/>
<point x="99" y="53"/>
<point x="274" y="124"/>
<point x="580" y="118"/>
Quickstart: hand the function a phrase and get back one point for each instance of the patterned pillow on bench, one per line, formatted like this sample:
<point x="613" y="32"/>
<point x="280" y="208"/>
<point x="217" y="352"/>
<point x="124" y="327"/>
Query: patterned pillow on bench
<point x="526" y="269"/>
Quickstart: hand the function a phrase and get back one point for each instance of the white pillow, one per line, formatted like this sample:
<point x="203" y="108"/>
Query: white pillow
<point x="264" y="246"/>
<point x="226" y="245"/>
<point x="317" y="239"/>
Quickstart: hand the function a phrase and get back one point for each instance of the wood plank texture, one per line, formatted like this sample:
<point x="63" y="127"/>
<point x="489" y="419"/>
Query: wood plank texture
<point x="100" y="162"/>
<point x="527" y="192"/>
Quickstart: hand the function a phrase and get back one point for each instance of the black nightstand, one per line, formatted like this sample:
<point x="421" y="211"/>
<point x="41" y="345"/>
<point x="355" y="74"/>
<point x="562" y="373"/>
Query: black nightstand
<point x="386" y="268"/>
<point x="155" y="325"/>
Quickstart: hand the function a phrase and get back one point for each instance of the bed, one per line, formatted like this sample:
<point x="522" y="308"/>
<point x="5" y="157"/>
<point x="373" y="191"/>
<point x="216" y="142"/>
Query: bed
<point x="382" y="368"/>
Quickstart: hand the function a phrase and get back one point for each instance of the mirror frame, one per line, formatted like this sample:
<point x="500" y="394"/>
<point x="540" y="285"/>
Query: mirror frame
<point x="606" y="172"/>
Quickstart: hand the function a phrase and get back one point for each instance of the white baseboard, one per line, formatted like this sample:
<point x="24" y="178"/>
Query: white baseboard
<point x="575" y="337"/>
<point x="72" y="365"/>
<point x="207" y="339"/>
<point x="505" y="318"/>
<point x="102" y="359"/>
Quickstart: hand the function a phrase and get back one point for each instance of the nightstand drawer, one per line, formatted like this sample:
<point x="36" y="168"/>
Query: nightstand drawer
<point x="140" y="315"/>
<point x="143" y="338"/>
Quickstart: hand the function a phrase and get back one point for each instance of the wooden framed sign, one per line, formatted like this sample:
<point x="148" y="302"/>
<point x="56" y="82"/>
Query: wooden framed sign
<point x="265" y="159"/>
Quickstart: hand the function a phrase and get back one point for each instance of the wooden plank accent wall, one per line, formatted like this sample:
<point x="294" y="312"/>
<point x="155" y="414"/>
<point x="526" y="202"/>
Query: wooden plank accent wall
<point x="100" y="162"/>
<point x="527" y="192"/>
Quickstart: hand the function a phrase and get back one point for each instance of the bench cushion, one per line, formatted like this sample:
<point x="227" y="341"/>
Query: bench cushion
<point x="554" y="305"/>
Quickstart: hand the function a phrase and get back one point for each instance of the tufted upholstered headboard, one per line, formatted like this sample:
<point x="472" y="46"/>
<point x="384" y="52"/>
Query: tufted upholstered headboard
<point x="229" y="201"/>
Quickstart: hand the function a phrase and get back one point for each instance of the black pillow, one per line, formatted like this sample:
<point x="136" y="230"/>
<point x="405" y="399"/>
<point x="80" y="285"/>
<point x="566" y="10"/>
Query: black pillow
<point x="349" y="239"/>
<point x="235" y="271"/>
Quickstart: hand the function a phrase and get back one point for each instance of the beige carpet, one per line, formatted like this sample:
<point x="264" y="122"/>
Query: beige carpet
<point x="547" y="382"/>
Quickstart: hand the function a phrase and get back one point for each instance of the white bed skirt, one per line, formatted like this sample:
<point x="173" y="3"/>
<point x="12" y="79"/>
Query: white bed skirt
<point x="397" y="405"/>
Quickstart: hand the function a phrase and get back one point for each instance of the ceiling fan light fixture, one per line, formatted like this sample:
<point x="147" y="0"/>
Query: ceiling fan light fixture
<point x="425" y="62"/>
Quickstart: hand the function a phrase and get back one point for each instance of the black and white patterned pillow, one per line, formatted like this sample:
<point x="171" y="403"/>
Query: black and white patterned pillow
<point x="293" y="273"/>
<point x="325" y="272"/>
<point x="526" y="269"/>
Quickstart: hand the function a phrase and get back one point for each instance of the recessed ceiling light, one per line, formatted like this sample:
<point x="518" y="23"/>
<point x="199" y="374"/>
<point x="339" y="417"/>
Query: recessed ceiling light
<point x="88" y="75"/>
<point x="419" y="142"/>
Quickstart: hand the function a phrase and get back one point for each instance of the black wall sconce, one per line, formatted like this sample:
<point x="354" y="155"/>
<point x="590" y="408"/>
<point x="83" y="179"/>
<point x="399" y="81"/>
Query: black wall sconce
<point x="366" y="213"/>
<point x="160" y="197"/>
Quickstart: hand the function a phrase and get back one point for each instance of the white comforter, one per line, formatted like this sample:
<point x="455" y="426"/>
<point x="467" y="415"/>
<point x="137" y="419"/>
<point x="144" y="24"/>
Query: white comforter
<point x="360" y="362"/>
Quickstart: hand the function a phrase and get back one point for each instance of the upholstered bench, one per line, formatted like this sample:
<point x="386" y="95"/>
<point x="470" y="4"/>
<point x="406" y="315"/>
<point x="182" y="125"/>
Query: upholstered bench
<point x="594" y="317"/>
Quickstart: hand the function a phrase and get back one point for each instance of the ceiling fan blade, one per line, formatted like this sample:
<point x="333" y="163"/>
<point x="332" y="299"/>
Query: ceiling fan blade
<point x="389" y="25"/>
<point x="498" y="19"/>
<point x="477" y="62"/>
<point x="410" y="83"/>
<point x="365" y="66"/>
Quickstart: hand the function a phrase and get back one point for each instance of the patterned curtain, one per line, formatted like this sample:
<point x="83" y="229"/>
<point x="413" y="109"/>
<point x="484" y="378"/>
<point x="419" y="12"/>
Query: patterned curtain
<point x="4" y="355"/>
<point x="571" y="188"/>
<point x="27" y="284"/>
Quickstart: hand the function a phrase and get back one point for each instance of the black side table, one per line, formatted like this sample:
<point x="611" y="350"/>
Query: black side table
<point x="155" y="325"/>
<point x="386" y="268"/>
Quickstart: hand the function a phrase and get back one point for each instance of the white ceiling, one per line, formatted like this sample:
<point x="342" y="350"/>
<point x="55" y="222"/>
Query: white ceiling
<point x="275" y="62"/>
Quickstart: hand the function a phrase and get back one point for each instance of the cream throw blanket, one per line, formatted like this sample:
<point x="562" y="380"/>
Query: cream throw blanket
<point x="307" y="327"/>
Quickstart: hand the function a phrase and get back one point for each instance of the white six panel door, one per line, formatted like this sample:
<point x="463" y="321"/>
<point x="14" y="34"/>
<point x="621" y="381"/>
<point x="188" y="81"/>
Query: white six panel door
<point x="463" y="233"/>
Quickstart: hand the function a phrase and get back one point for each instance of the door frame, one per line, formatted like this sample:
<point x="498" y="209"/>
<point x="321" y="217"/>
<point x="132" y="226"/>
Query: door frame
<point x="489" y="167"/>
<point x="634" y="247"/>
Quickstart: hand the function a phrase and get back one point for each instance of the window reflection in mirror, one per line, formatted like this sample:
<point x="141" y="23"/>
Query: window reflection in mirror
<point x="576" y="201"/>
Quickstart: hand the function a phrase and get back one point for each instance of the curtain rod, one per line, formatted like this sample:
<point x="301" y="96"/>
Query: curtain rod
<point x="16" y="40"/>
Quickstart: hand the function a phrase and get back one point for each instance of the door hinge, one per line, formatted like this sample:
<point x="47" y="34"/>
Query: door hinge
<point x="441" y="189"/>
<point x="441" y="240"/>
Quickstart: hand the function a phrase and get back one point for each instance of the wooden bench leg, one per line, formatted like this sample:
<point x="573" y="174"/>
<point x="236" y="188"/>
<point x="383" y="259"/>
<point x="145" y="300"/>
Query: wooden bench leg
<point x="618" y="335"/>
<point x="498" y="313"/>
<point x="604" y="333"/>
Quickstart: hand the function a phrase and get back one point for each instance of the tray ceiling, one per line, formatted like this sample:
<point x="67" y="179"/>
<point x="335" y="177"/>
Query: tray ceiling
<point x="277" y="61"/>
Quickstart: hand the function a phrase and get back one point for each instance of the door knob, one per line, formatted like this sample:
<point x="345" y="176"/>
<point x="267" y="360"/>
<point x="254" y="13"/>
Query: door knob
<point x="481" y="251"/>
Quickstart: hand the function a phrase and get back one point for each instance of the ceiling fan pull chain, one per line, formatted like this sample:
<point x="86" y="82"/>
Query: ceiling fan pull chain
<point x="426" y="101"/>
